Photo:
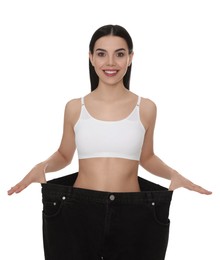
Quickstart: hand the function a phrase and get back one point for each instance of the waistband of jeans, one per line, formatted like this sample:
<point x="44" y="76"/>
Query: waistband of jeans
<point x="55" y="189"/>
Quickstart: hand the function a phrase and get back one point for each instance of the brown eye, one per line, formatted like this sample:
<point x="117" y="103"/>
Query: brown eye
<point x="120" y="54"/>
<point x="101" y="54"/>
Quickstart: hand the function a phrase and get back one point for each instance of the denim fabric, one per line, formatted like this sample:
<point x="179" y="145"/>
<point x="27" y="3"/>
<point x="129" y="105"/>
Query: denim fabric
<point x="80" y="224"/>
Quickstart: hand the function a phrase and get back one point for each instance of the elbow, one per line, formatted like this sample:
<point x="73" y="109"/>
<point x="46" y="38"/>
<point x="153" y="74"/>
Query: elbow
<point x="142" y="161"/>
<point x="145" y="160"/>
<point x="67" y="159"/>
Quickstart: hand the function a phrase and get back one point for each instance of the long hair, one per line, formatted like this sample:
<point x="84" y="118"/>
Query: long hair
<point x="106" y="30"/>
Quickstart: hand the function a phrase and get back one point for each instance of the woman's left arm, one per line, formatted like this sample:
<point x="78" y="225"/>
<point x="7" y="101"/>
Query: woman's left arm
<point x="152" y="163"/>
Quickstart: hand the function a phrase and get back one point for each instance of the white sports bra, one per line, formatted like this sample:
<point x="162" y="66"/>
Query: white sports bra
<point x="119" y="139"/>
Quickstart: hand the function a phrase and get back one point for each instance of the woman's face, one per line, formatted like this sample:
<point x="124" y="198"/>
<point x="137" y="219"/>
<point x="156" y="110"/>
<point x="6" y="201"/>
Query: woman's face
<point x="111" y="59"/>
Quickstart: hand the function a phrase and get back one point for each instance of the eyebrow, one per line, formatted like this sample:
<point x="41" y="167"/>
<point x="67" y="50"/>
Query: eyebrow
<point x="121" y="49"/>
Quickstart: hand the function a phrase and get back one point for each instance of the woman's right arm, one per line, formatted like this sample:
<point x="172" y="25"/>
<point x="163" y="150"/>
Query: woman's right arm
<point x="61" y="158"/>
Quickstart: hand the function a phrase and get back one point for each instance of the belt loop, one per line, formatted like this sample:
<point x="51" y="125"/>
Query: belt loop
<point x="70" y="189"/>
<point x="149" y="196"/>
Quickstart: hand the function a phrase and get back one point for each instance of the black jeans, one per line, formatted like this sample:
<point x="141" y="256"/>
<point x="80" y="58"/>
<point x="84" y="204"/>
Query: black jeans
<point x="80" y="224"/>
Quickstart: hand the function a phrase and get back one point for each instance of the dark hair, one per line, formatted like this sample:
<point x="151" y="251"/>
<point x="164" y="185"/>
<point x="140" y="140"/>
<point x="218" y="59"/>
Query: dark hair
<point x="106" y="30"/>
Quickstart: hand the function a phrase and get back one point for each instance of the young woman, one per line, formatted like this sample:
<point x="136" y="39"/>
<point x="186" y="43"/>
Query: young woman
<point x="105" y="210"/>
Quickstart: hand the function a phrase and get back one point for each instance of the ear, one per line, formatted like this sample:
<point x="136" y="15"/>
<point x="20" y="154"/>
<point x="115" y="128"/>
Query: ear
<point x="91" y="58"/>
<point x="130" y="58"/>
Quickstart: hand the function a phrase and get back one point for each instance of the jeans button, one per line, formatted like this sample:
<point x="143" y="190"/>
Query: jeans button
<point x="112" y="197"/>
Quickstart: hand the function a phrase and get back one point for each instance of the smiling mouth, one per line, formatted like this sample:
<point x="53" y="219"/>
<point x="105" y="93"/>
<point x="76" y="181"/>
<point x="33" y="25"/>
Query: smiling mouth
<point x="110" y="73"/>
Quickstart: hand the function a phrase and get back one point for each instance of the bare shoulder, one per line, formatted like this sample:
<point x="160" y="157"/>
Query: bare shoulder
<point x="148" y="105"/>
<point x="73" y="104"/>
<point x="72" y="109"/>
<point x="148" y="111"/>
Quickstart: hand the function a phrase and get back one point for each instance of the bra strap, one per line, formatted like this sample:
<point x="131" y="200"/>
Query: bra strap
<point x="139" y="101"/>
<point x="82" y="101"/>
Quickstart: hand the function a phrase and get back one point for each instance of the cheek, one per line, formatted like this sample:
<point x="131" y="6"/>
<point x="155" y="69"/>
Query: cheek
<point x="124" y="64"/>
<point x="98" y="69"/>
<point x="98" y="63"/>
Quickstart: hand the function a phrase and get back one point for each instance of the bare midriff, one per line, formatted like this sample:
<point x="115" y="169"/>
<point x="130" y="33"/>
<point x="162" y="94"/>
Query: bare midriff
<point x="108" y="174"/>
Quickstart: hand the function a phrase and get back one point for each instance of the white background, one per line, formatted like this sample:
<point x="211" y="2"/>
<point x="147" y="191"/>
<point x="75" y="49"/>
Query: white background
<point x="44" y="63"/>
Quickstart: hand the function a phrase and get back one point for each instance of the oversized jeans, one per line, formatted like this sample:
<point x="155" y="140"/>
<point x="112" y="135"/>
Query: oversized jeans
<point x="81" y="224"/>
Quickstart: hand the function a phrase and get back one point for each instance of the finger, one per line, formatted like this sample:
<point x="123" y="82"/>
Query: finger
<point x="203" y="191"/>
<point x="43" y="179"/>
<point x="20" y="188"/>
<point x="10" y="192"/>
<point x="13" y="189"/>
<point x="200" y="190"/>
<point x="173" y="187"/>
<point x="16" y="189"/>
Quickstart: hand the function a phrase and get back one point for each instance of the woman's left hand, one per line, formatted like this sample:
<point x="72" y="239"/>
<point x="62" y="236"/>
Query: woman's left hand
<point x="178" y="181"/>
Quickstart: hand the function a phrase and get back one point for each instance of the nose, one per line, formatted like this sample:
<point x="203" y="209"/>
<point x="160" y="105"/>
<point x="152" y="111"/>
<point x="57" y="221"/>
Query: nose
<point x="111" y="61"/>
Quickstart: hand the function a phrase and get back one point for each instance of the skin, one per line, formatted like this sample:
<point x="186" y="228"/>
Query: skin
<point x="111" y="101"/>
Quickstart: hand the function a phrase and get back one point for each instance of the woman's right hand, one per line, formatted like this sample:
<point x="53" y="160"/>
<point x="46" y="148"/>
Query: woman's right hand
<point x="37" y="174"/>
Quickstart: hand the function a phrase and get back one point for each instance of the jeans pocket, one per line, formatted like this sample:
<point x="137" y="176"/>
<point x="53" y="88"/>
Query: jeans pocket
<point x="52" y="209"/>
<point x="160" y="212"/>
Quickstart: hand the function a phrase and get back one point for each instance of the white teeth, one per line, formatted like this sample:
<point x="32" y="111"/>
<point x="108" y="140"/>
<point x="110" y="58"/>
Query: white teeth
<point x="110" y="71"/>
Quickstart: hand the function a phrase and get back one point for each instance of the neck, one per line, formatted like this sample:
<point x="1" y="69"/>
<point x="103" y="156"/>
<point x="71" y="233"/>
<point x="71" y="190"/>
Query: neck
<point x="110" y="93"/>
